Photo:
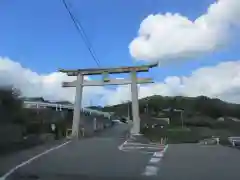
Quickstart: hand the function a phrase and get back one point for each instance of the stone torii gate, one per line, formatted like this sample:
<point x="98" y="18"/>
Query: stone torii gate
<point x="80" y="83"/>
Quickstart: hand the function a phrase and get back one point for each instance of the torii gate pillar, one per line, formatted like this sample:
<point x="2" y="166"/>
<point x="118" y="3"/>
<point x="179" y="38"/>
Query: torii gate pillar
<point x="77" y="106"/>
<point x="135" y="104"/>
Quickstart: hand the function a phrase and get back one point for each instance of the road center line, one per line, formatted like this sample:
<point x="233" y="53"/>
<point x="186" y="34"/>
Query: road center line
<point x="150" y="171"/>
<point x="158" y="154"/>
<point x="154" y="160"/>
<point x="31" y="159"/>
<point x="161" y="153"/>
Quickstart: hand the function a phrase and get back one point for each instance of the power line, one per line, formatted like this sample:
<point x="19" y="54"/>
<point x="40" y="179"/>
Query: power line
<point x="83" y="34"/>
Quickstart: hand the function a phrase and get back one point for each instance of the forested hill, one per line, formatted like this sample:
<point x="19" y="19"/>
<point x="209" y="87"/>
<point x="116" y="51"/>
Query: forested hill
<point x="191" y="105"/>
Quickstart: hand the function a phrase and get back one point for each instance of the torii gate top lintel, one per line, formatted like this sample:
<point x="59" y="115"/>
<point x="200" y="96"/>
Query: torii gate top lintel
<point x="96" y="71"/>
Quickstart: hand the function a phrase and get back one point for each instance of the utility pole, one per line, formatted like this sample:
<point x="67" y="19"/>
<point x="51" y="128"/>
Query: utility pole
<point x="80" y="83"/>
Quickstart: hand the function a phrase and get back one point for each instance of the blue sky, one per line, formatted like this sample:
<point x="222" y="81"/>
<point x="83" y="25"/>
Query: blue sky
<point x="41" y="36"/>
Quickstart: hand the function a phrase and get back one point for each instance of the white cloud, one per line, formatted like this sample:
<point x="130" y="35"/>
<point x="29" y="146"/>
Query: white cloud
<point x="47" y="86"/>
<point x="222" y="81"/>
<point x="164" y="37"/>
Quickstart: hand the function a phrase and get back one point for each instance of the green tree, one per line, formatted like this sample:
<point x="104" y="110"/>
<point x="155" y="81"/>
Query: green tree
<point x="11" y="106"/>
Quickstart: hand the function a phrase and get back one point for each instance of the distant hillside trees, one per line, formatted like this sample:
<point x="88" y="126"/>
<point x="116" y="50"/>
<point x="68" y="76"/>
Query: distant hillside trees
<point x="191" y="105"/>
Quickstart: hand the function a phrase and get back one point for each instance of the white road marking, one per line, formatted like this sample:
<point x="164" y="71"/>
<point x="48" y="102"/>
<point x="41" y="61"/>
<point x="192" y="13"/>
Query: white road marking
<point x="133" y="147"/>
<point x="121" y="146"/>
<point x="30" y="160"/>
<point x="144" y="145"/>
<point x="165" y="149"/>
<point x="154" y="160"/>
<point x="150" y="171"/>
<point x="161" y="153"/>
<point x="140" y="147"/>
<point x="131" y="151"/>
<point x="160" y="147"/>
<point x="147" y="144"/>
<point x="158" y="154"/>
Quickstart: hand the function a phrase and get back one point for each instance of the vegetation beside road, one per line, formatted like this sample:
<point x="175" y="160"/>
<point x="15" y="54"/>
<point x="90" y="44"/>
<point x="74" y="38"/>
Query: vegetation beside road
<point x="201" y="118"/>
<point x="21" y="127"/>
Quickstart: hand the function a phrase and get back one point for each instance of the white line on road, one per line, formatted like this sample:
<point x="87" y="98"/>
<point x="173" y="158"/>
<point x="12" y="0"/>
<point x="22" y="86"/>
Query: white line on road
<point x="161" y="153"/>
<point x="144" y="144"/>
<point x="140" y="147"/>
<point x="131" y="151"/>
<point x="158" y="154"/>
<point x="165" y="149"/>
<point x="154" y="160"/>
<point x="150" y="171"/>
<point x="147" y="145"/>
<point x="121" y="146"/>
<point x="30" y="160"/>
<point x="135" y="145"/>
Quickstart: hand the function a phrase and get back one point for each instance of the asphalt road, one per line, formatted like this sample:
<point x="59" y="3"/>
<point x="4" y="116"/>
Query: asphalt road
<point x="198" y="162"/>
<point x="110" y="156"/>
<point x="91" y="158"/>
